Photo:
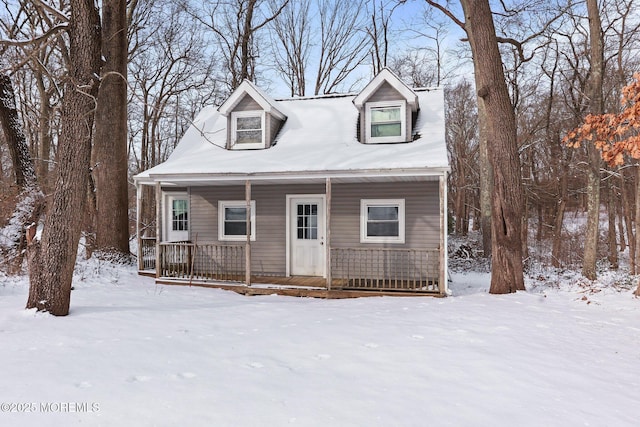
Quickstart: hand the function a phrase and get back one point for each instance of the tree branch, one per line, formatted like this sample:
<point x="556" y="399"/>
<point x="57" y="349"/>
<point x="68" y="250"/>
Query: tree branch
<point x="51" y="31"/>
<point x="447" y="12"/>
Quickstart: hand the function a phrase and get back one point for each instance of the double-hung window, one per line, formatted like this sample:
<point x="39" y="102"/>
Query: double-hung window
<point x="247" y="129"/>
<point x="232" y="220"/>
<point x="382" y="221"/>
<point x="386" y="122"/>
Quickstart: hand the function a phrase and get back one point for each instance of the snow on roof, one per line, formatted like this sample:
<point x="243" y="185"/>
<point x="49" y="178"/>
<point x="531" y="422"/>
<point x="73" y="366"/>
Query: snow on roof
<point x="386" y="75"/>
<point x="319" y="135"/>
<point x="258" y="95"/>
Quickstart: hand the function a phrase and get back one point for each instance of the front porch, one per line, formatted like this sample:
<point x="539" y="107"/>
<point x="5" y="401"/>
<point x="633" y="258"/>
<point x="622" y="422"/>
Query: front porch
<point x="353" y="272"/>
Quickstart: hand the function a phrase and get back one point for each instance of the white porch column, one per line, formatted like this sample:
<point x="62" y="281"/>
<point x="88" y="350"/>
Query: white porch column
<point x="158" y="227"/>
<point x="247" y="255"/>
<point x="138" y="220"/>
<point x="328" y="232"/>
<point x="442" y="279"/>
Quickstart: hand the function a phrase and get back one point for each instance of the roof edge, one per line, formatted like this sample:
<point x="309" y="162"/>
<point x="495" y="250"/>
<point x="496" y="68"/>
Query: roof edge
<point x="267" y="103"/>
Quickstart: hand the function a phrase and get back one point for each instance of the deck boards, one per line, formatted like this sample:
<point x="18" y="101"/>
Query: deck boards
<point x="297" y="286"/>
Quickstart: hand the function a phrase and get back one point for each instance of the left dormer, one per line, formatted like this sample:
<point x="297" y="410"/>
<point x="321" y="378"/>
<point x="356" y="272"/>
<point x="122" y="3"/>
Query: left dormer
<point x="253" y="118"/>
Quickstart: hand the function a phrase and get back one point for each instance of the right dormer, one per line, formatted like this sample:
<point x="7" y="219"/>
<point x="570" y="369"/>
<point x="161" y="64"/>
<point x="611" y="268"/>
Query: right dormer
<point x="387" y="108"/>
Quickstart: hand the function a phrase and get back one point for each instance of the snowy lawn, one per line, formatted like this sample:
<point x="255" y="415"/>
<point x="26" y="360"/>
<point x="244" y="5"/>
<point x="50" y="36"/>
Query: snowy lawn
<point x="135" y="354"/>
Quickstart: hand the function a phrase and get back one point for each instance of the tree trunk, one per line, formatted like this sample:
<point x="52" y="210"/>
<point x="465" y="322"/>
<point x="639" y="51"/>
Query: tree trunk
<point x="628" y="219"/>
<point x="44" y="132"/>
<point x="596" y="106"/>
<point x="563" y="186"/>
<point x="637" y="222"/>
<point x="506" y="211"/>
<point x="31" y="200"/>
<point x="23" y="169"/>
<point x="110" y="144"/>
<point x="613" y="241"/>
<point x="486" y="180"/>
<point x="52" y="261"/>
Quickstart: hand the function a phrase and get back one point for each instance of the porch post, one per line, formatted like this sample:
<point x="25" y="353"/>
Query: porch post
<point x="328" y="232"/>
<point x="442" y="280"/>
<point x="138" y="220"/>
<point x="158" y="227"/>
<point x="247" y="254"/>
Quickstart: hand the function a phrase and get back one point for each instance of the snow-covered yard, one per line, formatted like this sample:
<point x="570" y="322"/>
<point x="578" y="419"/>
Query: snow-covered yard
<point x="135" y="354"/>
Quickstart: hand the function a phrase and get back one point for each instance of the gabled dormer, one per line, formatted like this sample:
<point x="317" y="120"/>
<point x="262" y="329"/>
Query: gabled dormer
<point x="253" y="118"/>
<point x="386" y="108"/>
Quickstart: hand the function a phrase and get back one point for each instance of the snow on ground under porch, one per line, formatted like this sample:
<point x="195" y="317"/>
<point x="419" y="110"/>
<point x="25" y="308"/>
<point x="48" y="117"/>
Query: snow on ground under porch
<point x="132" y="353"/>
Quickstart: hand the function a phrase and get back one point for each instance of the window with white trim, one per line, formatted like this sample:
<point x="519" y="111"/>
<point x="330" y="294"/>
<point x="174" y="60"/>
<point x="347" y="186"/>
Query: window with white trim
<point x="232" y="220"/>
<point x="382" y="221"/>
<point x="386" y="122"/>
<point x="247" y="130"/>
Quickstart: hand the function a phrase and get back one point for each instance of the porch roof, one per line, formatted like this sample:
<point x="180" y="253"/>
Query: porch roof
<point x="318" y="140"/>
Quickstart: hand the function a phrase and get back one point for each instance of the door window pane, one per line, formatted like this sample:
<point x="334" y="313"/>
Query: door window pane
<point x="179" y="215"/>
<point x="307" y="221"/>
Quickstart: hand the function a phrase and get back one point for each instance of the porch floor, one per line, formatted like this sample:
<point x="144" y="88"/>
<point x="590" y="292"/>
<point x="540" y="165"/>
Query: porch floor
<point x="298" y="286"/>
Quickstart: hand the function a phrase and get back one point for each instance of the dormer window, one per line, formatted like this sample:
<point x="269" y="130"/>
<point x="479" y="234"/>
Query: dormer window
<point x="247" y="129"/>
<point x="386" y="122"/>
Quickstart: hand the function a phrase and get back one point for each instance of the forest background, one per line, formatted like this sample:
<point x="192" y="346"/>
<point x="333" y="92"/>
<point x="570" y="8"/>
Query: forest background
<point x="174" y="57"/>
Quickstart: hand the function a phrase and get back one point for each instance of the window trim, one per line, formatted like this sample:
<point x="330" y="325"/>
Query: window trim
<point x="234" y="129"/>
<point x="366" y="203"/>
<point x="182" y="235"/>
<point x="222" y="204"/>
<point x="403" y="122"/>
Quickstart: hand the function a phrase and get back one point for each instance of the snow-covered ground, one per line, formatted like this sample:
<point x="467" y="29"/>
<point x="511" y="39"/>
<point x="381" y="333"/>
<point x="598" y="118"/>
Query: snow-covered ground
<point x="135" y="354"/>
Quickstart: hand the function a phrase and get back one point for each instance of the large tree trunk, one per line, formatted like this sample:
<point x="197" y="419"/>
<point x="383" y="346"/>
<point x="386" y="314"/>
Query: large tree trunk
<point x="110" y="144"/>
<point x="506" y="261"/>
<point x="31" y="200"/>
<point x="52" y="261"/>
<point x="596" y="106"/>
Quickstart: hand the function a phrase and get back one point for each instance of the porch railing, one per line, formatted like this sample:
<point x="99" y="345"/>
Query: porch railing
<point x="383" y="269"/>
<point x="148" y="252"/>
<point x="202" y="261"/>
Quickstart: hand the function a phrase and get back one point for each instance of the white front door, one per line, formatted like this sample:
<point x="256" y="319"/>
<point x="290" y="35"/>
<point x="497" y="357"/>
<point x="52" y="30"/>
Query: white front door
<point x="176" y="218"/>
<point x="306" y="235"/>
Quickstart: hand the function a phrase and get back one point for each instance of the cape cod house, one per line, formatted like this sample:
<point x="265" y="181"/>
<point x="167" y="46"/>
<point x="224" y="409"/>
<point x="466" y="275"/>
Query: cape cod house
<point x="334" y="195"/>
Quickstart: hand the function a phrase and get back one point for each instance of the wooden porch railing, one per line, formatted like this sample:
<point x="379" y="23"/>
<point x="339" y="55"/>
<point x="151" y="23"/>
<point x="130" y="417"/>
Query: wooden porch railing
<point x="383" y="269"/>
<point x="148" y="252"/>
<point x="202" y="261"/>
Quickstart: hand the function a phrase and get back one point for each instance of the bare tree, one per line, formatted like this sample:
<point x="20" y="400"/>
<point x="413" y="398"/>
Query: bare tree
<point x="110" y="142"/>
<point x="30" y="199"/>
<point x="594" y="96"/>
<point x="462" y="145"/>
<point x="51" y="261"/>
<point x="343" y="44"/>
<point x="506" y="262"/>
<point x="292" y="44"/>
<point x="236" y="24"/>
<point x="379" y="31"/>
